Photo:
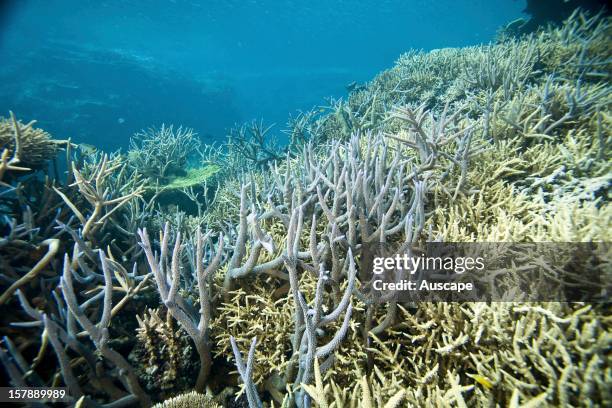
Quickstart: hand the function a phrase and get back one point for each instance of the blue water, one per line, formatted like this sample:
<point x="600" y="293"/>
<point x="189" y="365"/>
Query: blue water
<point x="98" y="71"/>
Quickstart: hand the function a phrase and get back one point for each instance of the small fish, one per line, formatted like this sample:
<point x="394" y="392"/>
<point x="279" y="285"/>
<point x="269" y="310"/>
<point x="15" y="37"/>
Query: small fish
<point x="482" y="380"/>
<point x="121" y="121"/>
<point x="351" y="87"/>
<point x="516" y="25"/>
<point x="354" y="87"/>
<point x="87" y="148"/>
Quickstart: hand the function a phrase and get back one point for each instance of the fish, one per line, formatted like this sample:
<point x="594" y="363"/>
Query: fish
<point x="354" y="87"/>
<point x="482" y="380"/>
<point x="87" y="148"/>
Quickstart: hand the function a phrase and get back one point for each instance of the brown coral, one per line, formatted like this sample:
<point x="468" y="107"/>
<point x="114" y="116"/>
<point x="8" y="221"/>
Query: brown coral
<point x="163" y="352"/>
<point x="32" y="146"/>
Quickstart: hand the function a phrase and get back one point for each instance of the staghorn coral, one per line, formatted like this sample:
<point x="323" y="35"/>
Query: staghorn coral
<point x="167" y="276"/>
<point x="251" y="145"/>
<point x="29" y="146"/>
<point x="510" y="192"/>
<point x="329" y="220"/>
<point x="246" y="372"/>
<point x="304" y="127"/>
<point x="341" y="397"/>
<point x="188" y="400"/>
<point x="162" y="354"/>
<point x="78" y="366"/>
<point x="8" y="164"/>
<point x="320" y="253"/>
<point x="50" y="328"/>
<point x="168" y="159"/>
<point x="256" y="314"/>
<point x="93" y="185"/>
<point x="98" y="333"/>
<point x="490" y="349"/>
<point x="310" y="322"/>
<point x="161" y="153"/>
<point x="53" y="246"/>
<point x="507" y="66"/>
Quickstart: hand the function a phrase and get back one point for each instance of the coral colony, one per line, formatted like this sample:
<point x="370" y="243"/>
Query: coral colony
<point x="182" y="274"/>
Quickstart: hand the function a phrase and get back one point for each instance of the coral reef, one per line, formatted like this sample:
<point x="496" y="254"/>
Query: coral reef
<point x="260" y="289"/>
<point x="529" y="187"/>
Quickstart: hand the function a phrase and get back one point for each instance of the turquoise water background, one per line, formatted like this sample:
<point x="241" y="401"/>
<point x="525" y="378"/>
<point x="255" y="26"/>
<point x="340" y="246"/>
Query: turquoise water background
<point x="98" y="71"/>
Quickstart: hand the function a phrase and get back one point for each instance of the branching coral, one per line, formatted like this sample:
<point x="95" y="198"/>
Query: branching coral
<point x="53" y="246"/>
<point x="309" y="322"/>
<point x="188" y="400"/>
<point x="98" y="333"/>
<point x="253" y="310"/>
<point x="348" y="398"/>
<point x="94" y="188"/>
<point x="490" y="189"/>
<point x="163" y="354"/>
<point x="167" y="276"/>
<point x="304" y="127"/>
<point x="62" y="333"/>
<point x="251" y="144"/>
<point x="508" y="66"/>
<point x="9" y="164"/>
<point x="162" y="153"/>
<point x="29" y="146"/>
<point x="246" y="372"/>
<point x="56" y="312"/>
